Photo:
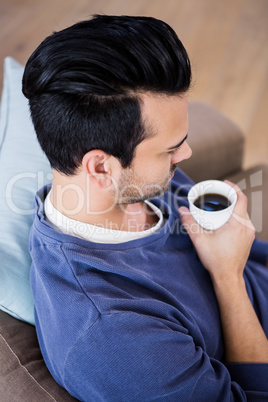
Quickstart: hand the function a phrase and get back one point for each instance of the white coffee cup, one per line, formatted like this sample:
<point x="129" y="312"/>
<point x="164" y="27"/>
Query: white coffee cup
<point x="211" y="220"/>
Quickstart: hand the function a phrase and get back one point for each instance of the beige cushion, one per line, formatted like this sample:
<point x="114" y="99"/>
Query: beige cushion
<point x="217" y="143"/>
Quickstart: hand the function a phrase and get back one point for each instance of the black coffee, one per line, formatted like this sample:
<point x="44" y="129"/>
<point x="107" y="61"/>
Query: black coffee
<point x="212" y="202"/>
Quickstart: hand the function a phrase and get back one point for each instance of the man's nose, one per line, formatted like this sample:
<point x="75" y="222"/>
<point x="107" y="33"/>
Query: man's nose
<point x="188" y="152"/>
<point x="184" y="152"/>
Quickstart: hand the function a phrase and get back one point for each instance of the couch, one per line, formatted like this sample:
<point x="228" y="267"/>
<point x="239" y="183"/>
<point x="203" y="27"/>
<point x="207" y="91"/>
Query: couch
<point x="218" y="147"/>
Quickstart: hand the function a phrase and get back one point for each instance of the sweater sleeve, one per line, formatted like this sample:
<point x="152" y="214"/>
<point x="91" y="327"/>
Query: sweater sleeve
<point x="259" y="252"/>
<point x="133" y="357"/>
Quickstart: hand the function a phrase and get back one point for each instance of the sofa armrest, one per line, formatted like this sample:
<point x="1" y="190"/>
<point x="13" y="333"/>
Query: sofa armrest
<point x="217" y="144"/>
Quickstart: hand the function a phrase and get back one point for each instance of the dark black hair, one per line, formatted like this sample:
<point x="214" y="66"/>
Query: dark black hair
<point x="83" y="85"/>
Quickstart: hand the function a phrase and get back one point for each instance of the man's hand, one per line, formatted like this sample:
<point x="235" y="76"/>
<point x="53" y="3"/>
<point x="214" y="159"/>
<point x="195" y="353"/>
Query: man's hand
<point x="224" y="251"/>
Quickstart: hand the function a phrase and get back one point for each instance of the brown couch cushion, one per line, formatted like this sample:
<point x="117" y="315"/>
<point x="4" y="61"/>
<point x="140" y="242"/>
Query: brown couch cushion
<point x="254" y="183"/>
<point x="23" y="373"/>
<point x="217" y="143"/>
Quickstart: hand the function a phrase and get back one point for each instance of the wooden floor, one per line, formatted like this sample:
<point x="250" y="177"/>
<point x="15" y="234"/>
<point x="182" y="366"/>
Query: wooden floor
<point x="226" y="40"/>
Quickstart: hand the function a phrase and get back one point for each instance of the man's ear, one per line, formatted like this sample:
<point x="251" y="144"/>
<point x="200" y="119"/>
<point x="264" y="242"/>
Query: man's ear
<point x="96" y="164"/>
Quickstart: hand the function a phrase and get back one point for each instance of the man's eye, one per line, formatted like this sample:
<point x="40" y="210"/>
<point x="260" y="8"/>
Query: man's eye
<point x="173" y="151"/>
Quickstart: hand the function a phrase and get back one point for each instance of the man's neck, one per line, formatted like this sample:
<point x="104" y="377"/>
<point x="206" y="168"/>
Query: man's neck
<point x="83" y="203"/>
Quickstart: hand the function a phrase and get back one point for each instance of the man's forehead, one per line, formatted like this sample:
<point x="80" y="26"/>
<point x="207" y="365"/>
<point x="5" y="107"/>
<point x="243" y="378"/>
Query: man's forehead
<point x="165" y="114"/>
<point x="150" y="96"/>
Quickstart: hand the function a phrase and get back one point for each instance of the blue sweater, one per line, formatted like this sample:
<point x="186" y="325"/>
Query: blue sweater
<point x="139" y="321"/>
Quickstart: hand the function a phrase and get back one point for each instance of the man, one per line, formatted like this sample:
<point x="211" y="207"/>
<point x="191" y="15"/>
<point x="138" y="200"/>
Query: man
<point x="131" y="303"/>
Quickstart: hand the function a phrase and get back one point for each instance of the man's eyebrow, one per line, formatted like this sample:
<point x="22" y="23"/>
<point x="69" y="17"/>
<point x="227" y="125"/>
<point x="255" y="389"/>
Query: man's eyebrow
<point x="179" y="144"/>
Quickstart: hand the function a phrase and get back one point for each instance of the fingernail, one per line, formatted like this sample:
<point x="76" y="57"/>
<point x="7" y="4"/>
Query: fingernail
<point x="183" y="210"/>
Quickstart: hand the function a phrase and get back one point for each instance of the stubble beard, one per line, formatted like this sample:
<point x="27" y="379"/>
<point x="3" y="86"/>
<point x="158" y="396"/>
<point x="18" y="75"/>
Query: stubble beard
<point x="132" y="190"/>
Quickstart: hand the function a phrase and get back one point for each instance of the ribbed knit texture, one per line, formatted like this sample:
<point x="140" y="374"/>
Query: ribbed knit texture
<point x="139" y="321"/>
